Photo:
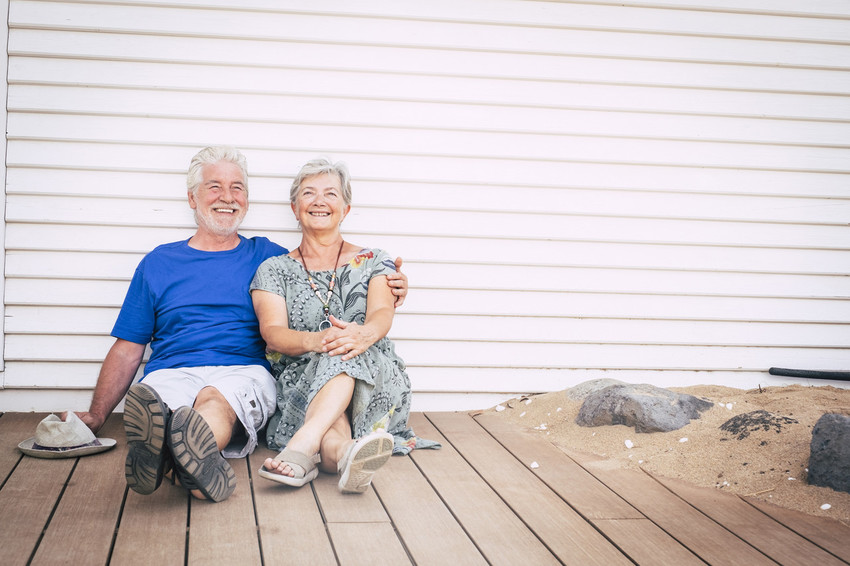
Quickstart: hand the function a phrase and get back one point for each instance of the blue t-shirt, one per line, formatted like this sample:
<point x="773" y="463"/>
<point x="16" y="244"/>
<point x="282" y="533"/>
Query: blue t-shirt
<point x="194" y="306"/>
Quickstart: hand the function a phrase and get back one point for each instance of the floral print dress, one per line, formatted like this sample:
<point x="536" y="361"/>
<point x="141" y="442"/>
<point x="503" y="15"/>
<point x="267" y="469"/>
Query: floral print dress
<point x="382" y="389"/>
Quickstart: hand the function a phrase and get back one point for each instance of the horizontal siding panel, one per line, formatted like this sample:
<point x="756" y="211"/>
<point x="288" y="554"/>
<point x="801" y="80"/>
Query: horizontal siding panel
<point x="38" y="263"/>
<point x="600" y="201"/>
<point x="449" y="223"/>
<point x="301" y="92"/>
<point x="597" y="13"/>
<point x="133" y="117"/>
<point x="67" y="292"/>
<point x="438" y="169"/>
<point x="772" y="19"/>
<point x="815" y="8"/>
<point x="465" y="36"/>
<point x="52" y="290"/>
<point x="581" y="67"/>
<point x="430" y="380"/>
<point x="83" y="348"/>
<point x="595" y="147"/>
<point x="34" y="320"/>
<point x="53" y="375"/>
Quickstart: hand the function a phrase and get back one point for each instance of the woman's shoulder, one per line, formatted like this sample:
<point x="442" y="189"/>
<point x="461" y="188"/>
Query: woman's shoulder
<point x="368" y="256"/>
<point x="277" y="263"/>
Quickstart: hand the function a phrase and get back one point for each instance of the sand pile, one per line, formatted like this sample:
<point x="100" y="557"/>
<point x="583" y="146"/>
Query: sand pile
<point x="751" y="442"/>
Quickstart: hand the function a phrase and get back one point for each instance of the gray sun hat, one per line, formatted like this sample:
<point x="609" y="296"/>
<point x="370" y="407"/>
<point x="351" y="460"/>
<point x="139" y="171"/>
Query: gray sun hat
<point x="55" y="438"/>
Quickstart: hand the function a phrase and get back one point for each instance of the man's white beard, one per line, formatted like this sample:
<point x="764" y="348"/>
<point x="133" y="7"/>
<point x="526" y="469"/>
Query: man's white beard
<point x="225" y="226"/>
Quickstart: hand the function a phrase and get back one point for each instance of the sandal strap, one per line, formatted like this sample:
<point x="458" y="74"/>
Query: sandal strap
<point x="294" y="458"/>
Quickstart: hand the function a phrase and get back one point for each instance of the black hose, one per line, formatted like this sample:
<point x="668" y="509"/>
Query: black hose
<point x="816" y="374"/>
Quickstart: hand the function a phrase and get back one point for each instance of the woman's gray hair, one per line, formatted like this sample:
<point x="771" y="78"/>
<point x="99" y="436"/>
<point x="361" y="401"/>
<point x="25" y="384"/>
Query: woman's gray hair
<point x="211" y="155"/>
<point x="320" y="166"/>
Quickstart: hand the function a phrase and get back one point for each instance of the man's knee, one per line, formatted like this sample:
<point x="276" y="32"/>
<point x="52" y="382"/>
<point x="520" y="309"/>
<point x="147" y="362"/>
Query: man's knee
<point x="209" y="395"/>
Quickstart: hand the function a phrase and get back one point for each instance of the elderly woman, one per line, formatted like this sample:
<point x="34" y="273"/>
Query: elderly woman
<point x="343" y="396"/>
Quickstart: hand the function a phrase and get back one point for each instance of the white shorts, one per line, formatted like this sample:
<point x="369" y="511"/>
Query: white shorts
<point x="250" y="391"/>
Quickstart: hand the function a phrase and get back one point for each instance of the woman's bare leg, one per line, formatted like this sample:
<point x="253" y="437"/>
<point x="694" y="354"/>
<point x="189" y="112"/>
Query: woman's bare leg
<point x="323" y="415"/>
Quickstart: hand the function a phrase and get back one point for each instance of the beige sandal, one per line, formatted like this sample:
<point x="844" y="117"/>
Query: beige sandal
<point x="362" y="459"/>
<point x="304" y="467"/>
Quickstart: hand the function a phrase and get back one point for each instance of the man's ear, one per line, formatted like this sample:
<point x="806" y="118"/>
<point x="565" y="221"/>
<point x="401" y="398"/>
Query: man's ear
<point x="192" y="202"/>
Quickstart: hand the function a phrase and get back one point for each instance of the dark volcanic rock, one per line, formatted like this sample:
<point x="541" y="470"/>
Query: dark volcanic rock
<point x="829" y="461"/>
<point x="645" y="407"/>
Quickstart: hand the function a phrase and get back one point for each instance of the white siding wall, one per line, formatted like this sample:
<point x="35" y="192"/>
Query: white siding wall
<point x="654" y="193"/>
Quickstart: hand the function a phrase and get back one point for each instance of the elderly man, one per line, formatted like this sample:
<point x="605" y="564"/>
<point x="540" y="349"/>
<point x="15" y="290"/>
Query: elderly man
<point x="207" y="389"/>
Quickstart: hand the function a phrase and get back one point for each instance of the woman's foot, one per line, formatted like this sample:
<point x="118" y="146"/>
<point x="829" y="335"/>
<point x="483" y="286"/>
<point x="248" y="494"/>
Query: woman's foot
<point x="362" y="459"/>
<point x="291" y="467"/>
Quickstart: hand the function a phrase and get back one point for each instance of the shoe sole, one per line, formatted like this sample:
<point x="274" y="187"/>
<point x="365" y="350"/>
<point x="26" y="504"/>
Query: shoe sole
<point x="198" y="462"/>
<point x="364" y="461"/>
<point x="145" y="424"/>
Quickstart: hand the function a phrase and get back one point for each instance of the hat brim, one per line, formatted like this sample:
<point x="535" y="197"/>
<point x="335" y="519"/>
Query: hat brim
<point x="27" y="448"/>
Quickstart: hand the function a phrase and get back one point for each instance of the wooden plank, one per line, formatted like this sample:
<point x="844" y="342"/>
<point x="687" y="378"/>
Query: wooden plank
<point x="153" y="527"/>
<point x="756" y="528"/>
<point x="829" y="534"/>
<point x="426" y="527"/>
<point x="640" y="539"/>
<point x="559" y="527"/>
<point x="291" y="527"/>
<point x="498" y="533"/>
<point x="367" y="543"/>
<point x="703" y="536"/>
<point x="225" y="532"/>
<point x="30" y="493"/>
<point x="645" y="543"/>
<point x="95" y="491"/>
<point x="582" y="491"/>
<point x="340" y="507"/>
<point x="14" y="428"/>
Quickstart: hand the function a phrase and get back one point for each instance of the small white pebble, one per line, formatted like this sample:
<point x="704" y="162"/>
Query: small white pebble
<point x="528" y="401"/>
<point x="729" y="406"/>
<point x="640" y="461"/>
<point x="559" y="410"/>
<point x="542" y="426"/>
<point x="792" y="479"/>
<point x="630" y="456"/>
<point x="534" y="465"/>
<point x="500" y="408"/>
<point x="594" y="434"/>
<point x="629" y="444"/>
<point x="683" y="440"/>
<point x="825" y="506"/>
<point x="522" y="414"/>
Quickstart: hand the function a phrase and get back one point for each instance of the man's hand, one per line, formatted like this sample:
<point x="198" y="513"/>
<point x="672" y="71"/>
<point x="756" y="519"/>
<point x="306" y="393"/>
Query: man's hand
<point x="92" y="421"/>
<point x="398" y="283"/>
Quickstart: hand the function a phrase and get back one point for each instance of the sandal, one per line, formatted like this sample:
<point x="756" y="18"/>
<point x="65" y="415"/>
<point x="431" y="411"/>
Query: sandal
<point x="362" y="459"/>
<point x="304" y="467"/>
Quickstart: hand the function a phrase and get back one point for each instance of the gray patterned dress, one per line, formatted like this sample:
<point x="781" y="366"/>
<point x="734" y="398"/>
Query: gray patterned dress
<point x="382" y="388"/>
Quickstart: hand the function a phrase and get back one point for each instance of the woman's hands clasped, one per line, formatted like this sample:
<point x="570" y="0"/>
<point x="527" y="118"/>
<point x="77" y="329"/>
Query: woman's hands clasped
<point x="347" y="339"/>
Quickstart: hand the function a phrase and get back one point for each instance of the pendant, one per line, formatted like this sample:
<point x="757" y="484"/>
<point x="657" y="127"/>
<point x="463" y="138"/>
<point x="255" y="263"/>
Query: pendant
<point x="325" y="324"/>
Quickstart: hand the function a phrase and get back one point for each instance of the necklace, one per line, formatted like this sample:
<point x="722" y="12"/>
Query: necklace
<point x="326" y="307"/>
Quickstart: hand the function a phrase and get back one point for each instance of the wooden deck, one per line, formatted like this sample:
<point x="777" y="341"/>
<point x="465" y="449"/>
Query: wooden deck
<point x="476" y="501"/>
